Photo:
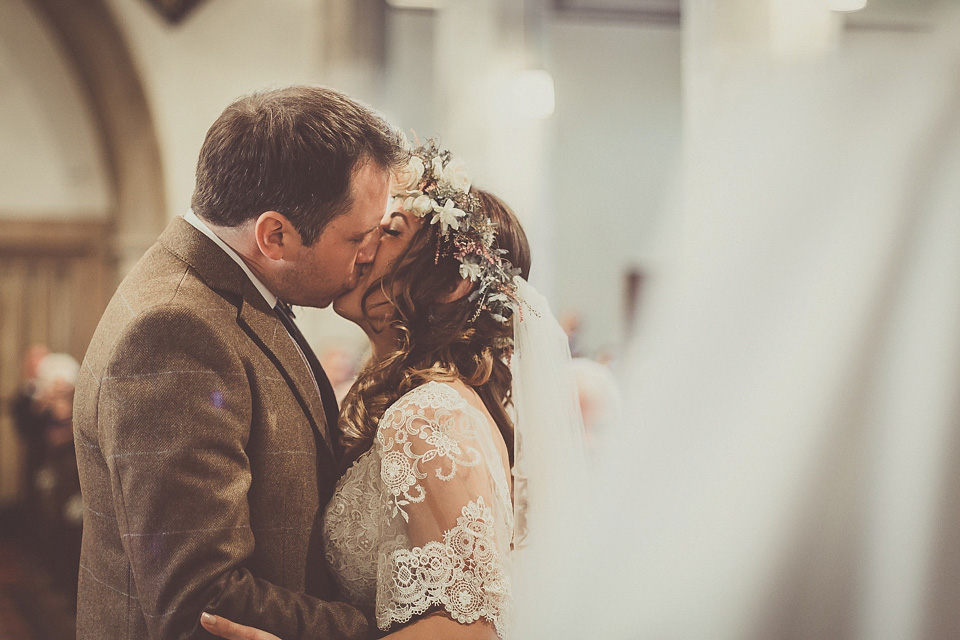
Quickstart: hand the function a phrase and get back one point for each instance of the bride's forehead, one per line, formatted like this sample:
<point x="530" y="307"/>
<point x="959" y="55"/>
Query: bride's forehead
<point x="396" y="209"/>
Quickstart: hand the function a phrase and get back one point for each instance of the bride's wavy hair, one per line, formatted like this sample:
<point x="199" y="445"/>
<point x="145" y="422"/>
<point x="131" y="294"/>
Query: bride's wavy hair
<point x="439" y="340"/>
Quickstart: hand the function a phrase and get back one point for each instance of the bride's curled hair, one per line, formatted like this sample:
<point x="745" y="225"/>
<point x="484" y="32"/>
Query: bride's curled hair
<point x="440" y="339"/>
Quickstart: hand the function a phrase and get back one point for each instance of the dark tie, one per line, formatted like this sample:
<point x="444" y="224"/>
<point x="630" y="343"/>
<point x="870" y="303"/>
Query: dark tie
<point x="330" y="407"/>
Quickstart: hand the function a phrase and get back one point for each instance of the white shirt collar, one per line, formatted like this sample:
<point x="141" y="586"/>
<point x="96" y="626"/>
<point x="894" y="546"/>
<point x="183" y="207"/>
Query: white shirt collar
<point x="201" y="226"/>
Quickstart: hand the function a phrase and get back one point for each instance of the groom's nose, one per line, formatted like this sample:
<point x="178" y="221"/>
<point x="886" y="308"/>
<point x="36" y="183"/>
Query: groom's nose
<point x="368" y="247"/>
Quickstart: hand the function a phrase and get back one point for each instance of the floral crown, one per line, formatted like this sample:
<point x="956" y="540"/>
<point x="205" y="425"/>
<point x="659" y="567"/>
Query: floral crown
<point x="433" y="183"/>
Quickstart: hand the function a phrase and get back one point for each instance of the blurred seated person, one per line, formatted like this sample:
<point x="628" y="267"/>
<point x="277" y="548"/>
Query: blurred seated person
<point x="28" y="420"/>
<point x="572" y="324"/>
<point x="56" y="482"/>
<point x="55" y="382"/>
<point x="599" y="396"/>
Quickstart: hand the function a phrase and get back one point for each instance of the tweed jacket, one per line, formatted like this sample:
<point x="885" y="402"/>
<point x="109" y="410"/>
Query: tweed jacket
<point x="205" y="459"/>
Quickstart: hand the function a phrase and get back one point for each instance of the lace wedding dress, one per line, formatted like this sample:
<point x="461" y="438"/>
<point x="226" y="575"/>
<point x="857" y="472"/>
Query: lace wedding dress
<point x="424" y="520"/>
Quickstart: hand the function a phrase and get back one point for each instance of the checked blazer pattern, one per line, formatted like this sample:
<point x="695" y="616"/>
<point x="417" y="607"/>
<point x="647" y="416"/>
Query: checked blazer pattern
<point x="205" y="459"/>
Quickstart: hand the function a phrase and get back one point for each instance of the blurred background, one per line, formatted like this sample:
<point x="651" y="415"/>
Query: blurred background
<point x="606" y="124"/>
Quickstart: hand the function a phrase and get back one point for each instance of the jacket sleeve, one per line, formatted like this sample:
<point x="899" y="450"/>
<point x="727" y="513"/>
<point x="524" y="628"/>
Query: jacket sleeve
<point x="175" y="413"/>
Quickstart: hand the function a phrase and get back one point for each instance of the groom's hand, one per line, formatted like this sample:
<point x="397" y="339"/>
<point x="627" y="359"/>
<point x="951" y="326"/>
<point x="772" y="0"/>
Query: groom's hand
<point x="220" y="626"/>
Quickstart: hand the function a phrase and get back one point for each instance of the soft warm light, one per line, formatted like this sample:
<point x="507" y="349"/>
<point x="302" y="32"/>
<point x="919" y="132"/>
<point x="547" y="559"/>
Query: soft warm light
<point x="533" y="95"/>
<point x="847" y="5"/>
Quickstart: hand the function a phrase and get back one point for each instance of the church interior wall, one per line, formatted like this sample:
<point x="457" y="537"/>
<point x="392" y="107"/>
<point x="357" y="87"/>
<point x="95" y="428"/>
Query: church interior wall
<point x="54" y="166"/>
<point x="192" y="70"/>
<point x="617" y="96"/>
<point x="617" y="152"/>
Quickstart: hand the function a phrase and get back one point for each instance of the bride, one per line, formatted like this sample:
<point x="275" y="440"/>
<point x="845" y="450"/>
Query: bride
<point x="421" y="531"/>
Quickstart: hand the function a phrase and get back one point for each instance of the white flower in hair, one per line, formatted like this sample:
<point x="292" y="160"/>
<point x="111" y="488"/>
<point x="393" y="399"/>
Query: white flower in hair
<point x="408" y="178"/>
<point x="466" y="232"/>
<point x="448" y="216"/>
<point x="470" y="269"/>
<point x="420" y="205"/>
<point x="455" y="175"/>
<point x="437" y="167"/>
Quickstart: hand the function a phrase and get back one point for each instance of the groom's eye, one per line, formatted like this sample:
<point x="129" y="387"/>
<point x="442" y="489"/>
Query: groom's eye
<point x="360" y="237"/>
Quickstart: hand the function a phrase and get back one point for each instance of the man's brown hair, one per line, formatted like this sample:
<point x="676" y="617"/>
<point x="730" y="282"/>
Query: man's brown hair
<point x="293" y="151"/>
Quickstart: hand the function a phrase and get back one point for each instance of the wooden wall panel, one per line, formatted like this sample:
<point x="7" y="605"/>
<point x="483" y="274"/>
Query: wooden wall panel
<point x="52" y="292"/>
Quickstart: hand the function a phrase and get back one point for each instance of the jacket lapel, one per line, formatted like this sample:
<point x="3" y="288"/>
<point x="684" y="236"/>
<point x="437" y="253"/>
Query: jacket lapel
<point x="254" y="316"/>
<point x="263" y="326"/>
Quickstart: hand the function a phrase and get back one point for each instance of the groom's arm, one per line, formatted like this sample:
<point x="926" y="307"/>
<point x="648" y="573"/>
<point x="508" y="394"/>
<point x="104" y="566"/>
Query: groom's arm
<point x="175" y="414"/>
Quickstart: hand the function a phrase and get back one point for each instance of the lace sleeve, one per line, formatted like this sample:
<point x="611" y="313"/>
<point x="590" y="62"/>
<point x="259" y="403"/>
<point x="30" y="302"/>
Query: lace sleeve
<point x="448" y="514"/>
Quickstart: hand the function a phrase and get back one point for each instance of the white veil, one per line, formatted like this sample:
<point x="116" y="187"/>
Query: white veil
<point x="788" y="464"/>
<point x="549" y="468"/>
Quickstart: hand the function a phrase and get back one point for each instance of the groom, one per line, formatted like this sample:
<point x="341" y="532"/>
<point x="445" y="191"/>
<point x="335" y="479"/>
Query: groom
<point x="206" y="429"/>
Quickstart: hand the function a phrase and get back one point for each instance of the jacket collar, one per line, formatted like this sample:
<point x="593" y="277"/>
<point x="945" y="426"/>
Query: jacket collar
<point x="201" y="226"/>
<point x="258" y="320"/>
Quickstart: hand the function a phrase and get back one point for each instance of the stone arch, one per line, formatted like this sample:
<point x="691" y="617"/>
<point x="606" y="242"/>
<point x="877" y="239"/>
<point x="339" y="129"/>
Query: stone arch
<point x="57" y="274"/>
<point x="107" y="74"/>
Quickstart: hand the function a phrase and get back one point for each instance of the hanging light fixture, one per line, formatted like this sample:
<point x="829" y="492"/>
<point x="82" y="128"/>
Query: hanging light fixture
<point x="533" y="95"/>
<point x="532" y="87"/>
<point x="416" y="4"/>
<point x="846" y="6"/>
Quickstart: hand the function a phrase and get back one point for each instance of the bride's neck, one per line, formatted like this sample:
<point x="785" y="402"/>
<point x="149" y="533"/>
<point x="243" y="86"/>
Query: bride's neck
<point x="383" y="343"/>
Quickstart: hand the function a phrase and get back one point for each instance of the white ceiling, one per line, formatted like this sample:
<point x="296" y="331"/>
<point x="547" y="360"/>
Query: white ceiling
<point x="893" y="14"/>
<point x="623" y="5"/>
<point x="653" y="10"/>
<point x="878" y="13"/>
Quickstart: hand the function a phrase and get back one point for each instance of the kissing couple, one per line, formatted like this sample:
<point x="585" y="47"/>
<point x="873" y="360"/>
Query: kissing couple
<point x="226" y="494"/>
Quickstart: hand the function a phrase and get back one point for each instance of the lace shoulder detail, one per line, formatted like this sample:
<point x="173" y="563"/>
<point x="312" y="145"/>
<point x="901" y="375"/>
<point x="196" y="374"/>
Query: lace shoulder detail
<point x="445" y="496"/>
<point x="464" y="573"/>
<point x="428" y="429"/>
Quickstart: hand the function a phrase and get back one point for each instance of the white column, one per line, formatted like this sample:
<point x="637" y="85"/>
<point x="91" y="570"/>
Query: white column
<point x="726" y="44"/>
<point x="350" y="45"/>
<point x="481" y="48"/>
<point x="723" y="39"/>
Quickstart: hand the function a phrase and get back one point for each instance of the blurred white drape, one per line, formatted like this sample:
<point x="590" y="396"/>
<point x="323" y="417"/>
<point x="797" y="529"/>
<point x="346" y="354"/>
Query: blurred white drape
<point x="789" y="463"/>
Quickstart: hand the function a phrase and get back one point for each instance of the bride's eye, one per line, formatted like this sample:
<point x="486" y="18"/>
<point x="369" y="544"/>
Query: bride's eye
<point x="392" y="232"/>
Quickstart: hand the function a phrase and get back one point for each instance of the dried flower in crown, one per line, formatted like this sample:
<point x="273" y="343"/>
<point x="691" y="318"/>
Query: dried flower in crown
<point x="435" y="184"/>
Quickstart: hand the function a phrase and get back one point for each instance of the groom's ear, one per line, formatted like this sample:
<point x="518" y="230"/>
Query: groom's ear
<point x="275" y="235"/>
